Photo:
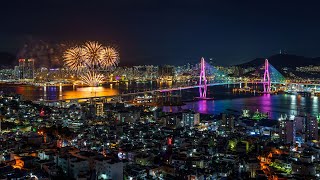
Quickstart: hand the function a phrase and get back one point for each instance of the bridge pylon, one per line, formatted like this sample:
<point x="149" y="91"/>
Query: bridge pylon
<point x="266" y="78"/>
<point x="202" y="80"/>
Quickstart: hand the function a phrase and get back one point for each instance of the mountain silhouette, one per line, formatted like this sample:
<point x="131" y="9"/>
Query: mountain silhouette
<point x="279" y="61"/>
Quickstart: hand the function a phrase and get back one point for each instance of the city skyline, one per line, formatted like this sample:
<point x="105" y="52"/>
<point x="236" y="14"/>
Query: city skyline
<point x="168" y="32"/>
<point x="141" y="90"/>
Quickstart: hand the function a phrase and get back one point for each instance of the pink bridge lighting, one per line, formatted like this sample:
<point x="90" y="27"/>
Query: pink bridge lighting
<point x="203" y="80"/>
<point x="266" y="78"/>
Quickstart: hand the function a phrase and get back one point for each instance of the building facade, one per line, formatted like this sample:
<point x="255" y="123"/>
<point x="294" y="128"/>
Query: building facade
<point x="190" y="118"/>
<point x="26" y="69"/>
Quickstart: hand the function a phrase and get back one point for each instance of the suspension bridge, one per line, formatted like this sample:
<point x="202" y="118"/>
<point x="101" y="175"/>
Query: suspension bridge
<point x="270" y="76"/>
<point x="266" y="74"/>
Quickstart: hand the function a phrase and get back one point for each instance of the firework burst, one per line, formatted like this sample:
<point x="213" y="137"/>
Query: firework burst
<point x="74" y="59"/>
<point x="92" y="78"/>
<point x="90" y="59"/>
<point x="92" y="51"/>
<point x="109" y="57"/>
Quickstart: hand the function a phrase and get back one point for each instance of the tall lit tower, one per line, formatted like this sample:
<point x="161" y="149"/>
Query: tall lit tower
<point x="26" y="69"/>
<point x="203" y="80"/>
<point x="99" y="109"/>
<point x="266" y="78"/>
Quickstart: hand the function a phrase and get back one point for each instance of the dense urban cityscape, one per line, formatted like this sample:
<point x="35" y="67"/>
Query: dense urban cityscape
<point x="80" y="104"/>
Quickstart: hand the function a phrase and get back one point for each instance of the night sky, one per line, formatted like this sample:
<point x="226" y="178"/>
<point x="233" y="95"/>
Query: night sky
<point x="172" y="32"/>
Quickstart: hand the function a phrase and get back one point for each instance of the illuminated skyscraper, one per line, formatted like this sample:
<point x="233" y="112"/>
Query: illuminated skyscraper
<point x="311" y="125"/>
<point x="190" y="118"/>
<point x="26" y="69"/>
<point x="227" y="121"/>
<point x="99" y="109"/>
<point x="287" y="131"/>
<point x="299" y="129"/>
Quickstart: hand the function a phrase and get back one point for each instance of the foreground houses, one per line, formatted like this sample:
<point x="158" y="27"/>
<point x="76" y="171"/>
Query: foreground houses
<point x="122" y="142"/>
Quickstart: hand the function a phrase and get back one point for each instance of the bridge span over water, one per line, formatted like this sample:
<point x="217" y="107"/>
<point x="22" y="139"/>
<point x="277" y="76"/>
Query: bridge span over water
<point x="270" y="76"/>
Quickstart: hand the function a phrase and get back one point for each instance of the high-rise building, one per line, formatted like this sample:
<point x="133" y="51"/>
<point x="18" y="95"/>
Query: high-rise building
<point x="311" y="128"/>
<point x="26" y="69"/>
<point x="299" y="122"/>
<point x="99" y="109"/>
<point x="172" y="122"/>
<point x="16" y="72"/>
<point x="227" y="121"/>
<point x="299" y="129"/>
<point x="306" y="127"/>
<point x="190" y="118"/>
<point x="287" y="131"/>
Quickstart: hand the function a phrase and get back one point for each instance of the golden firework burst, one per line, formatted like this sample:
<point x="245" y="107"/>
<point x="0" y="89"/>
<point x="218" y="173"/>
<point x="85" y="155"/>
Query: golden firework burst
<point x="90" y="59"/>
<point x="92" y="51"/>
<point x="74" y="59"/>
<point x="109" y="57"/>
<point x="92" y="78"/>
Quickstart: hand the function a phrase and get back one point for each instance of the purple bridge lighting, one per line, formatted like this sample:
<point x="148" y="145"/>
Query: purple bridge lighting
<point x="266" y="78"/>
<point x="203" y="80"/>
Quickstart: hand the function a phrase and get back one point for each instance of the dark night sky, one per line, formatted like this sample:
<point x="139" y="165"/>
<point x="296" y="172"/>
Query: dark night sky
<point x="168" y="31"/>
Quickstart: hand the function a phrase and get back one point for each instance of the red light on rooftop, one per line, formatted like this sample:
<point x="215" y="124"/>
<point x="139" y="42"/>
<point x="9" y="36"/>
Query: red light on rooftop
<point x="169" y="141"/>
<point x="42" y="112"/>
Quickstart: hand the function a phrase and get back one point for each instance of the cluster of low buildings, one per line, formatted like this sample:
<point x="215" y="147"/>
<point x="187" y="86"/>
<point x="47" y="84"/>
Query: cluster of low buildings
<point x="309" y="68"/>
<point x="103" y="140"/>
<point x="26" y="71"/>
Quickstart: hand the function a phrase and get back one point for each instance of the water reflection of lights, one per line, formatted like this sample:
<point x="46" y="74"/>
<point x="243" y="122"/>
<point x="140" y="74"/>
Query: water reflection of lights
<point x="60" y="90"/>
<point x="90" y="92"/>
<point x="44" y="91"/>
<point x="315" y="105"/>
<point x="203" y="108"/>
<point x="90" y="89"/>
<point x="293" y="99"/>
<point x="293" y="103"/>
<point x="266" y="104"/>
